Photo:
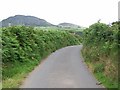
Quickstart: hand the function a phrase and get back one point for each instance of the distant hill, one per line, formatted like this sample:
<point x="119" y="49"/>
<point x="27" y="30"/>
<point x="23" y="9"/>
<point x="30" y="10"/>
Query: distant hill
<point x="68" y="25"/>
<point x="24" y="20"/>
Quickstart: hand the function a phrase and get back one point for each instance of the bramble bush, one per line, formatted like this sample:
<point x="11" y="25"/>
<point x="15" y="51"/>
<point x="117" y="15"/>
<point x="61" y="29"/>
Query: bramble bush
<point x="100" y="47"/>
<point x="22" y="44"/>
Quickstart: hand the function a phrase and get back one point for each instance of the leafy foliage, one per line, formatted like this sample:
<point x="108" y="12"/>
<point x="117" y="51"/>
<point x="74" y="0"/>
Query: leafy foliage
<point x="100" y="43"/>
<point x="22" y="44"/>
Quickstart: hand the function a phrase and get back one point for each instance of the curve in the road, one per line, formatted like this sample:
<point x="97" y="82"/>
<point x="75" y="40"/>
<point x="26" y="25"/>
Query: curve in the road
<point x="64" y="68"/>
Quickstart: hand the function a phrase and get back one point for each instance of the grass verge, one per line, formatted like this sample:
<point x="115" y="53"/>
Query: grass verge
<point x="106" y="82"/>
<point x="20" y="70"/>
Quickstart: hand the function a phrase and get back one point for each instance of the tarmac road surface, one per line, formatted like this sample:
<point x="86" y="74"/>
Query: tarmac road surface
<point x="65" y="68"/>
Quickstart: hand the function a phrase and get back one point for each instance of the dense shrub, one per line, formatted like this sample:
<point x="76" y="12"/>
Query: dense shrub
<point x="100" y="47"/>
<point x="25" y="44"/>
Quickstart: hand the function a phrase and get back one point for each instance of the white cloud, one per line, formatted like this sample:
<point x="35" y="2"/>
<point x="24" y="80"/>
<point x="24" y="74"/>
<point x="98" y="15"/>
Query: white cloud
<point x="81" y="12"/>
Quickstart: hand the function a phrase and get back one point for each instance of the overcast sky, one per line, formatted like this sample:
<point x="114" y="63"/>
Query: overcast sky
<point x="81" y="12"/>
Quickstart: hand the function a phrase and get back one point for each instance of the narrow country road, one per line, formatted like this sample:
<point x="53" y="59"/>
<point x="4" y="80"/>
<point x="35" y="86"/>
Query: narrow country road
<point x="62" y="69"/>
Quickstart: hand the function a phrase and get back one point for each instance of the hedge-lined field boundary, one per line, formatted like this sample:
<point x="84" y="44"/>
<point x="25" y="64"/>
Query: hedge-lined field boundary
<point x="100" y="50"/>
<point x="24" y="47"/>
